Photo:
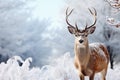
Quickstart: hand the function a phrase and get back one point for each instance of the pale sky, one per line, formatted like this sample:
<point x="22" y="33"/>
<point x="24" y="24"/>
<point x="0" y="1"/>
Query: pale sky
<point x="46" y="8"/>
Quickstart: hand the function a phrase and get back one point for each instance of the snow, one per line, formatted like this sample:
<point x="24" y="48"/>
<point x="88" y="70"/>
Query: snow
<point x="61" y="68"/>
<point x="96" y="47"/>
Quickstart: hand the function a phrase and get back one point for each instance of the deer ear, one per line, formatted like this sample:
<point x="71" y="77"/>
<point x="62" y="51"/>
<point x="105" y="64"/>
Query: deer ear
<point x="91" y="30"/>
<point x="71" y="29"/>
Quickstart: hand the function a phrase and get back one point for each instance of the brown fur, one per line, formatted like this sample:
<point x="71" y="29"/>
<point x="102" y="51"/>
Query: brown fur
<point x="92" y="63"/>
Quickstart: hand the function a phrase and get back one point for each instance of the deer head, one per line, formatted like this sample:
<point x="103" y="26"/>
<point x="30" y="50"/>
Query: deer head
<point x="81" y="35"/>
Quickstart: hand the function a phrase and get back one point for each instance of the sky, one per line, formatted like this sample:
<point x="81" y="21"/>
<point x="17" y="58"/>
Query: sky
<point x="46" y="9"/>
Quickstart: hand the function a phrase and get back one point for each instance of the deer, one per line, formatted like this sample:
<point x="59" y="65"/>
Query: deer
<point x="92" y="58"/>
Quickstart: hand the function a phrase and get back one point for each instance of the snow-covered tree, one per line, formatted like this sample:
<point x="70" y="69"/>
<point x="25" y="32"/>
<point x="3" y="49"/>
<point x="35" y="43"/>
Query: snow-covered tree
<point x="112" y="32"/>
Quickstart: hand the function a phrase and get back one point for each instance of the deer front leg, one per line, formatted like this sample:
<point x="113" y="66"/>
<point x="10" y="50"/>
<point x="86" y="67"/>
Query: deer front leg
<point x="92" y="76"/>
<point x="76" y="64"/>
<point x="79" y="70"/>
<point x="81" y="76"/>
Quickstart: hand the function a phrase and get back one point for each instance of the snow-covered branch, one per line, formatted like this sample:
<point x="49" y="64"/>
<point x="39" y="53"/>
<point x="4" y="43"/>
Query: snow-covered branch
<point x="113" y="22"/>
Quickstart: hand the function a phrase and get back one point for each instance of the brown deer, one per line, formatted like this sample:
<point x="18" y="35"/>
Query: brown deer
<point x="89" y="58"/>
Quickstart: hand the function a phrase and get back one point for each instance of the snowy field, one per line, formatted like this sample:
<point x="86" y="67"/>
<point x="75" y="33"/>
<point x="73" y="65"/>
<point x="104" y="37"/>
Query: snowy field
<point x="61" y="68"/>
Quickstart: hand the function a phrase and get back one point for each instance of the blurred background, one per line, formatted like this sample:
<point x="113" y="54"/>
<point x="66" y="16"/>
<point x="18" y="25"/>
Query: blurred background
<point x="37" y="28"/>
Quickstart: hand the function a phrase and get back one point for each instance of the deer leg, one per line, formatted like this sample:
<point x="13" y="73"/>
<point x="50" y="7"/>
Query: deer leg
<point x="81" y="77"/>
<point x="76" y="65"/>
<point x="103" y="73"/>
<point x="92" y="76"/>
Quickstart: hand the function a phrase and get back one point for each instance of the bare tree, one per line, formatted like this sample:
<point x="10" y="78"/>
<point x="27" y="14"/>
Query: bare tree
<point x="114" y="4"/>
<point x="109" y="33"/>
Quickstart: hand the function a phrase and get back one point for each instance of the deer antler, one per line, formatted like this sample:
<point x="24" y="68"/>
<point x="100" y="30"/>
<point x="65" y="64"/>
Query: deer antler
<point x="67" y="15"/>
<point x="94" y="15"/>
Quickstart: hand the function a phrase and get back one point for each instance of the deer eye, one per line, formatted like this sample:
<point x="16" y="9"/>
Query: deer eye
<point x="76" y="35"/>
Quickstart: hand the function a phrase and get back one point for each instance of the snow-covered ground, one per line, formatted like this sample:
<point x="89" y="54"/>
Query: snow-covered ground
<point x="61" y="68"/>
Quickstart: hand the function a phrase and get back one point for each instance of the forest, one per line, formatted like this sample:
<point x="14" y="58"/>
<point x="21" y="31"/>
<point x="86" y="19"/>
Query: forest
<point x="35" y="43"/>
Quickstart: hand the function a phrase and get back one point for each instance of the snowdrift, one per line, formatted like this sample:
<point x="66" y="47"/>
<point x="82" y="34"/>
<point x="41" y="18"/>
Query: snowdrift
<point x="61" y="68"/>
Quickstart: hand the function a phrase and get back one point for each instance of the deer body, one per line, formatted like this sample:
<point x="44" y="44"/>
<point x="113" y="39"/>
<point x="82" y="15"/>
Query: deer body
<point x="89" y="58"/>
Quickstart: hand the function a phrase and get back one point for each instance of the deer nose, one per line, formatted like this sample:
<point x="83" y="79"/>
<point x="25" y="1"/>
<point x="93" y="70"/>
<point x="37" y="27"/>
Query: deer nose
<point x="81" y="41"/>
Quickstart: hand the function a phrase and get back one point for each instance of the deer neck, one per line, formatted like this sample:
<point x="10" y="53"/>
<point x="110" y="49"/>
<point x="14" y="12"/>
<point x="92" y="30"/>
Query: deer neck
<point x="82" y="52"/>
